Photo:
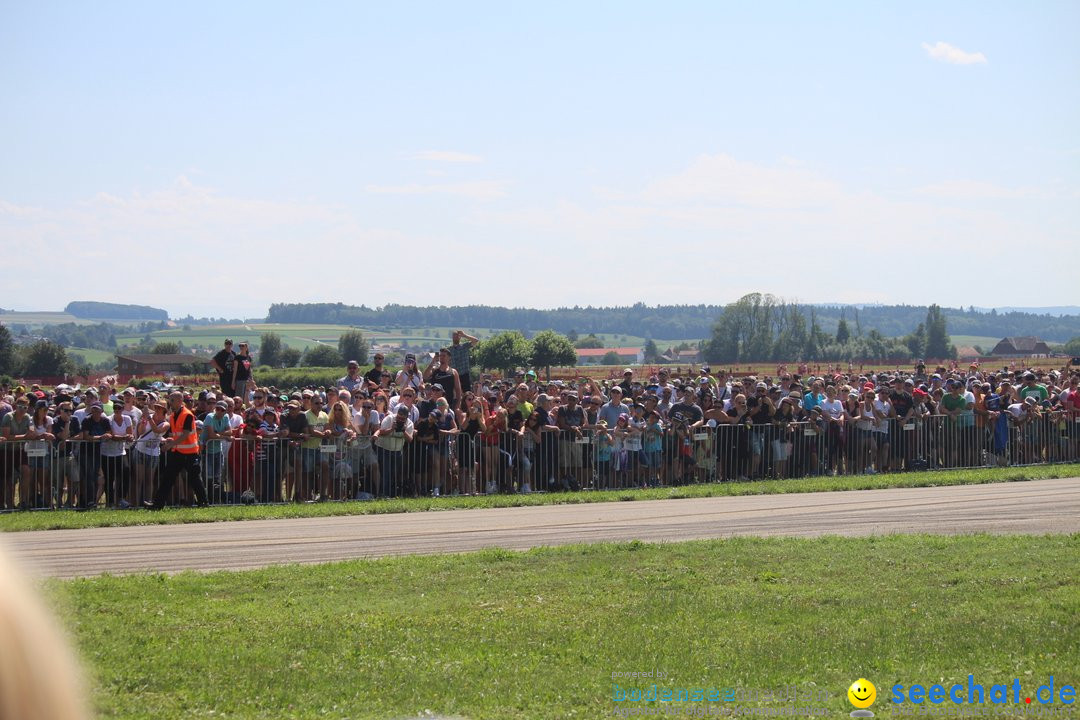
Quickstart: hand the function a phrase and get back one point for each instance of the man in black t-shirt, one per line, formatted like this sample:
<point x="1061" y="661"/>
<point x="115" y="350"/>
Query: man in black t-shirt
<point x="374" y="375"/>
<point x="223" y="364"/>
<point x="93" y="427"/>
<point x="295" y="423"/>
<point x="685" y="417"/>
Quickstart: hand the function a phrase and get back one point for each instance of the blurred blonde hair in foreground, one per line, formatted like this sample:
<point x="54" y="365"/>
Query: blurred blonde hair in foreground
<point x="39" y="678"/>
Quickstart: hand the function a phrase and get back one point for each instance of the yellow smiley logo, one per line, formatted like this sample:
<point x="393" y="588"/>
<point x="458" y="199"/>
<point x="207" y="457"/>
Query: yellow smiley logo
<point x="862" y="693"/>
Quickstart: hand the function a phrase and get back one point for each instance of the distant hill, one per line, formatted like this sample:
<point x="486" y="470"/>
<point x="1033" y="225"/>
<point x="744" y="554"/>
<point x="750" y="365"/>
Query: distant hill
<point x="676" y="322"/>
<point x="114" y="311"/>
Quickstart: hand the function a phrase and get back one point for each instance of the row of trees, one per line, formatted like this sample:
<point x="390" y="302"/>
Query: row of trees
<point x="672" y="321"/>
<point x="351" y="345"/>
<point x="763" y="328"/>
<point x="509" y="350"/>
<point x="678" y="321"/>
<point x="504" y="351"/>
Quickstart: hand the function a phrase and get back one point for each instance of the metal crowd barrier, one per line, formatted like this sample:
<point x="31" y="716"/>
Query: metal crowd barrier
<point x="83" y="474"/>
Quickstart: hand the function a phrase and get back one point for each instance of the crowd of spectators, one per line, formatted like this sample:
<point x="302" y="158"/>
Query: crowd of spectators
<point x="435" y="427"/>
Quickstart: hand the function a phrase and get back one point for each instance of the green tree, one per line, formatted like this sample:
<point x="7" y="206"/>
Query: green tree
<point x="610" y="358"/>
<point x="588" y="342"/>
<point x="322" y="356"/>
<point x="916" y="341"/>
<point x="166" y="348"/>
<point x="550" y="348"/>
<point x="289" y="357"/>
<point x="1073" y="347"/>
<point x="747" y="329"/>
<point x="43" y="358"/>
<point x="504" y="351"/>
<point x="937" y="337"/>
<point x="573" y="336"/>
<point x="650" y="352"/>
<point x="270" y="349"/>
<point x="7" y="352"/>
<point x="353" y="346"/>
<point x="842" y="332"/>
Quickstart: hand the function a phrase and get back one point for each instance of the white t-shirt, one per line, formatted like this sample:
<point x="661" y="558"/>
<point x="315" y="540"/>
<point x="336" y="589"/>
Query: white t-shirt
<point x="149" y="443"/>
<point x="113" y="448"/>
<point x="884" y="408"/>
<point x="363" y="431"/>
<point x="414" y="380"/>
<point x="865" y="420"/>
<point x="834" y="408"/>
<point x="390" y="440"/>
<point x="39" y="444"/>
<point x="632" y="441"/>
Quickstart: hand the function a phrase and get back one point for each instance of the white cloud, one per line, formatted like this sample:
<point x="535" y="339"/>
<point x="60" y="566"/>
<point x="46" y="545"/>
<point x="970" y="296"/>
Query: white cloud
<point x="477" y="190"/>
<point x="450" y="156"/>
<point x="945" y="52"/>
<point x="978" y="190"/>
<point x="724" y="225"/>
<point x="723" y="181"/>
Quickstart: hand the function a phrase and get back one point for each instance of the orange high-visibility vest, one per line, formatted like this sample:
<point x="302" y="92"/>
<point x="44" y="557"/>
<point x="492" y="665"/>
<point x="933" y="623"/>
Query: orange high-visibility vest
<point x="186" y="442"/>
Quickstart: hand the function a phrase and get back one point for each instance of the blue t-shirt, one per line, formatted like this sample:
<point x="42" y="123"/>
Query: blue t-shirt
<point x="610" y="414"/>
<point x="220" y="425"/>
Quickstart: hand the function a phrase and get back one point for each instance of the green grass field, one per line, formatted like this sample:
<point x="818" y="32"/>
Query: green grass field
<point x="67" y="519"/>
<point x="985" y="342"/>
<point x="505" y="635"/>
<point x="92" y="356"/>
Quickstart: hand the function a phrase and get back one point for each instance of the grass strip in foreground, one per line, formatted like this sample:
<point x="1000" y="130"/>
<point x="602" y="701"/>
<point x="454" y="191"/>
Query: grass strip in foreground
<point x="499" y="634"/>
<point x="67" y="519"/>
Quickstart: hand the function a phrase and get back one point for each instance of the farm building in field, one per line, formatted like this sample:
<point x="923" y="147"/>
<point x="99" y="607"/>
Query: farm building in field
<point x="671" y="355"/>
<point x="129" y="366"/>
<point x="1020" y="347"/>
<point x="593" y="356"/>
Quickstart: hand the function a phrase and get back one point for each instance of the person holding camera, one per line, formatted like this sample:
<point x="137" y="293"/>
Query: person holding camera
<point x="395" y="430"/>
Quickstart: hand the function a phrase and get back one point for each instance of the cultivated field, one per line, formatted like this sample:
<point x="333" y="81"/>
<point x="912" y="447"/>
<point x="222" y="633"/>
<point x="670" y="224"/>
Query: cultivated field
<point x="47" y="318"/>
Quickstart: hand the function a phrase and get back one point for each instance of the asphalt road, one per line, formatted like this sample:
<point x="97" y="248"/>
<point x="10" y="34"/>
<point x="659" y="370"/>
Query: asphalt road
<point x="1042" y="506"/>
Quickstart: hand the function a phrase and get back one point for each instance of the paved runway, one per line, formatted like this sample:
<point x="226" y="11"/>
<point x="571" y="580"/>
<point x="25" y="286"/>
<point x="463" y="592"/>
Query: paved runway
<point x="1042" y="506"/>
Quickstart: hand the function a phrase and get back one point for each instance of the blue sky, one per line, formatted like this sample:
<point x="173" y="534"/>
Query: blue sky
<point x="213" y="158"/>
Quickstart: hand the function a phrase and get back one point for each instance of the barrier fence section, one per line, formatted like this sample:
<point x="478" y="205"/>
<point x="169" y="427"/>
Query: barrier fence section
<point x="39" y="474"/>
